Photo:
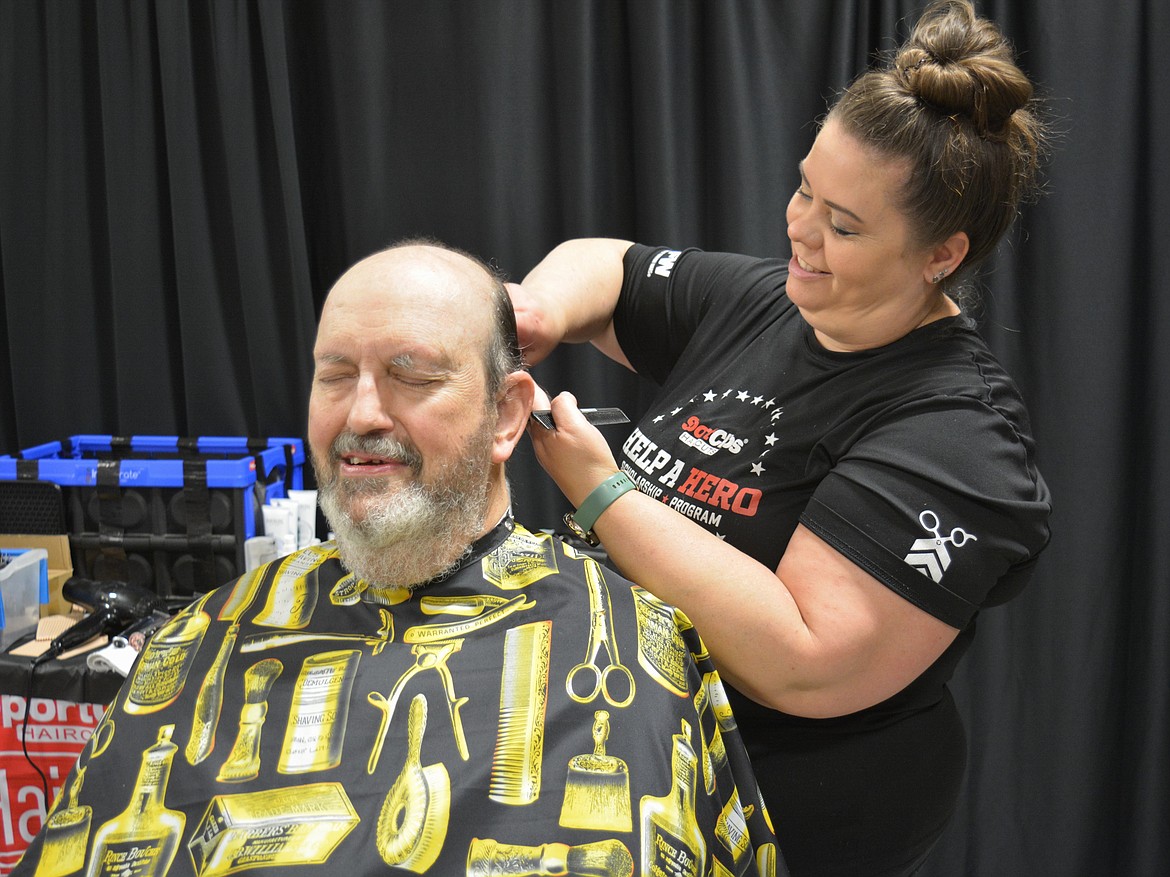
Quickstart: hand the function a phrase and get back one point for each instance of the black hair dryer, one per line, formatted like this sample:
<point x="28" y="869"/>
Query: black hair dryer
<point x="113" y="606"/>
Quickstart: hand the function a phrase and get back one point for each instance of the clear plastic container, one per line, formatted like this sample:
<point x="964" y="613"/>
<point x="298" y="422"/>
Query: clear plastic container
<point x="24" y="585"/>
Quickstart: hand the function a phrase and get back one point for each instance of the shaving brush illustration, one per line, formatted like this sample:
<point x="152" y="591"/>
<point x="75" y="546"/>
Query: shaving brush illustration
<point x="603" y="858"/>
<point x="243" y="762"/>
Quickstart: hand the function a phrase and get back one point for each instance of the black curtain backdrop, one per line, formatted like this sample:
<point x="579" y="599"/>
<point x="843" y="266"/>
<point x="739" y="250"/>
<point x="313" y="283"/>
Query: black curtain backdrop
<point x="181" y="182"/>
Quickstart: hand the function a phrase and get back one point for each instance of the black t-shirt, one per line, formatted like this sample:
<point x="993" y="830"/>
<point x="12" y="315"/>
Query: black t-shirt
<point x="915" y="460"/>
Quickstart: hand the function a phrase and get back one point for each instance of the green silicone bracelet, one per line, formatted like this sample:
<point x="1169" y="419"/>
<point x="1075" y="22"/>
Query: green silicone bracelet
<point x="581" y="521"/>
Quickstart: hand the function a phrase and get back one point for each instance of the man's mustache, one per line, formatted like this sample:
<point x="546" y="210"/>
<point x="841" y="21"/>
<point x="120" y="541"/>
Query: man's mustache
<point x="383" y="447"/>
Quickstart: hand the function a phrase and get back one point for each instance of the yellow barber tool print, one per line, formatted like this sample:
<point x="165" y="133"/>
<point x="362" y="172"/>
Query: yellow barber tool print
<point x="413" y="823"/>
<point x="588" y="679"/>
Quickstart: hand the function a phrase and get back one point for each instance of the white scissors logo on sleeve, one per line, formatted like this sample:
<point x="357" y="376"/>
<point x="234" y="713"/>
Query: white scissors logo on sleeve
<point x="930" y="555"/>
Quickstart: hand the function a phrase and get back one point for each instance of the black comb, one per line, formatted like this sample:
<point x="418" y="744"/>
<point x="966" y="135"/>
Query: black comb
<point x="596" y="416"/>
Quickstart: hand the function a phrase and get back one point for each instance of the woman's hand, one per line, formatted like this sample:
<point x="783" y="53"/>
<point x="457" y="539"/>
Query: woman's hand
<point x="536" y="328"/>
<point x="575" y="454"/>
<point x="570" y="296"/>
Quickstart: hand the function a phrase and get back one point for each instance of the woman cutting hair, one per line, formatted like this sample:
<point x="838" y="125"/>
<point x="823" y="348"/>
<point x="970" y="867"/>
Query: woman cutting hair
<point x="836" y="474"/>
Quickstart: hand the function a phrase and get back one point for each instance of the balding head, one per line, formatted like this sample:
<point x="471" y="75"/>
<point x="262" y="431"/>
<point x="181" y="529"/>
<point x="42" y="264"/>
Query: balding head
<point x="428" y="268"/>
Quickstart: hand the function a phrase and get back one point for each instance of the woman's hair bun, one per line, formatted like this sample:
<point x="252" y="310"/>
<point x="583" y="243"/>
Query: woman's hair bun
<point x="963" y="66"/>
<point x="953" y="108"/>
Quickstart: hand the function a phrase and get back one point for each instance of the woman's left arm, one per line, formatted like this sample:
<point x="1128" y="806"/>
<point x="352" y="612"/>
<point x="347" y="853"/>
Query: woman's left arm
<point x="818" y="636"/>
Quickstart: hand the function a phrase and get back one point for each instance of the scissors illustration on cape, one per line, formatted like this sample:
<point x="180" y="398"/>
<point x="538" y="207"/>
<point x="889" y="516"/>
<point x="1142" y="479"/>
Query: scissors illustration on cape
<point x="601" y="636"/>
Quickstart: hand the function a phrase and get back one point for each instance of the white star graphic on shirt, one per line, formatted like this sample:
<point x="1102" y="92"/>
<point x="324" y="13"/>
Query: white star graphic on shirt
<point x="726" y="393"/>
<point x="771" y="439"/>
<point x="776" y="414"/>
<point x="757" y="400"/>
<point x="709" y="396"/>
<point x="742" y="396"/>
<point x="757" y="468"/>
<point x="675" y="411"/>
<point x="659" y="418"/>
<point x="770" y="402"/>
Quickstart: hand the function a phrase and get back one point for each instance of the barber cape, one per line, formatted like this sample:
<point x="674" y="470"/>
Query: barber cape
<point x="530" y="713"/>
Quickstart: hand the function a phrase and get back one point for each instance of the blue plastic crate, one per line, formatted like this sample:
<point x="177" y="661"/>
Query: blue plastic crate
<point x="166" y="512"/>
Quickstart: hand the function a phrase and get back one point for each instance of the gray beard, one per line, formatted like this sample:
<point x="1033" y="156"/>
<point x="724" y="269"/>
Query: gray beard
<point x="416" y="532"/>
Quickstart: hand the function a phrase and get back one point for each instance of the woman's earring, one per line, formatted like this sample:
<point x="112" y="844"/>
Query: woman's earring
<point x="937" y="277"/>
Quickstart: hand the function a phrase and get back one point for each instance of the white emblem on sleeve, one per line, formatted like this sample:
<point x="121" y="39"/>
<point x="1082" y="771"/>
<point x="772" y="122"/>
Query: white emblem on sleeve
<point x="930" y="555"/>
<point x="663" y="262"/>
